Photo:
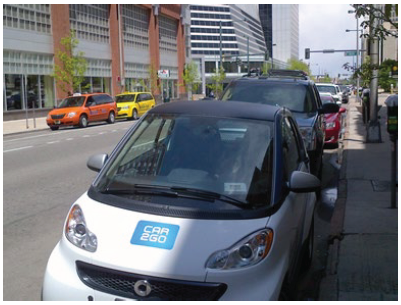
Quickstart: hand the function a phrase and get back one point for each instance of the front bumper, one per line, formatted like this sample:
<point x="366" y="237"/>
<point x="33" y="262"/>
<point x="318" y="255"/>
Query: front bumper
<point x="63" y="122"/>
<point x="71" y="276"/>
<point x="123" y="113"/>
<point x="332" y="136"/>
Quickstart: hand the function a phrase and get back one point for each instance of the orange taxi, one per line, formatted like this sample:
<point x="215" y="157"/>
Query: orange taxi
<point x="81" y="109"/>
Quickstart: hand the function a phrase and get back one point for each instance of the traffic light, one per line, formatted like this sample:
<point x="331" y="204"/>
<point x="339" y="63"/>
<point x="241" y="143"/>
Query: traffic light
<point x="307" y="53"/>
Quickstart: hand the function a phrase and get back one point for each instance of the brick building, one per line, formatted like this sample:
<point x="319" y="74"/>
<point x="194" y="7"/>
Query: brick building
<point x="123" y="45"/>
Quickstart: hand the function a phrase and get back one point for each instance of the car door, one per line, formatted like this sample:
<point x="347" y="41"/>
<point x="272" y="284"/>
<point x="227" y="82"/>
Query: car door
<point x="94" y="108"/>
<point x="291" y="225"/>
<point x="141" y="101"/>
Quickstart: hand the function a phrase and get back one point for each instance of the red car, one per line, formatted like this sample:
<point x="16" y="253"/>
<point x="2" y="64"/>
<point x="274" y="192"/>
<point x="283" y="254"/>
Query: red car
<point x="334" y="123"/>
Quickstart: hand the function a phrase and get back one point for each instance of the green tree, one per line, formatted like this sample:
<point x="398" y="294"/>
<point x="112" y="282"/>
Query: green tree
<point x="217" y="81"/>
<point x="190" y="77"/>
<point x="294" y="64"/>
<point x="385" y="80"/>
<point x="153" y="84"/>
<point x="70" y="72"/>
<point x="380" y="12"/>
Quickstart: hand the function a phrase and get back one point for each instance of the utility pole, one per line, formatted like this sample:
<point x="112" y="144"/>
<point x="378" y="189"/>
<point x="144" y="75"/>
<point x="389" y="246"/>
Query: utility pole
<point x="221" y="47"/>
<point x="247" y="51"/>
<point x="373" y="134"/>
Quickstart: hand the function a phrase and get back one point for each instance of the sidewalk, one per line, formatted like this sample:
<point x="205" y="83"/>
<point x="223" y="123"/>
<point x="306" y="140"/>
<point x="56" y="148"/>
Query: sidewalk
<point x="363" y="258"/>
<point x="20" y="126"/>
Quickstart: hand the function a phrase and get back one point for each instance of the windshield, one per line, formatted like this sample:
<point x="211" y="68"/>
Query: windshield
<point x="326" y="99"/>
<point x="75" y="101"/>
<point x="125" y="98"/>
<point x="329" y="89"/>
<point x="229" y="157"/>
<point x="293" y="96"/>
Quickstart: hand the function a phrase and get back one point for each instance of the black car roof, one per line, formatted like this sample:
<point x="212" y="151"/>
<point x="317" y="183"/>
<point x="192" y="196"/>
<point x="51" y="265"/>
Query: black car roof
<point x="239" y="110"/>
<point x="263" y="79"/>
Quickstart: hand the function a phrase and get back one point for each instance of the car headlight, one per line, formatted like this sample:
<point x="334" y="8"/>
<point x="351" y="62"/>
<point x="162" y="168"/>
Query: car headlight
<point x="309" y="136"/>
<point x="330" y="125"/>
<point x="125" y="107"/>
<point x="49" y="117"/>
<point x="71" y="114"/>
<point x="247" y="252"/>
<point x="77" y="231"/>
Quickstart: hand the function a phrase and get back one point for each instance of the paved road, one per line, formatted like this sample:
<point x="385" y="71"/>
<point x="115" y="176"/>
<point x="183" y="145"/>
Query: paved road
<point x="45" y="172"/>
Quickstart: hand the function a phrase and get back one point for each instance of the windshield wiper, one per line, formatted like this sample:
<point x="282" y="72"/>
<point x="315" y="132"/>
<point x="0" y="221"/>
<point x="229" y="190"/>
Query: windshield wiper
<point x="212" y="195"/>
<point x="176" y="191"/>
<point x="136" y="189"/>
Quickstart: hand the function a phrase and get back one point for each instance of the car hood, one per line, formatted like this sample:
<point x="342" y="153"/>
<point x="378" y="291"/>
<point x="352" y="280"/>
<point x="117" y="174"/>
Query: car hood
<point x="122" y="244"/>
<point x="304" y="119"/>
<point x="122" y="104"/>
<point x="65" y="110"/>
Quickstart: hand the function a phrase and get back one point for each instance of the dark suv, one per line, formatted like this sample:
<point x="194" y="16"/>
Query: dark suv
<point x="294" y="90"/>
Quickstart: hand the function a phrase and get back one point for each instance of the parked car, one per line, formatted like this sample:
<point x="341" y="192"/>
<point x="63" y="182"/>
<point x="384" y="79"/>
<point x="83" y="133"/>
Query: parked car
<point x="132" y="105"/>
<point x="334" y="122"/>
<point x="333" y="89"/>
<point x="294" y="90"/>
<point x="345" y="93"/>
<point x="81" y="109"/>
<point x="200" y="200"/>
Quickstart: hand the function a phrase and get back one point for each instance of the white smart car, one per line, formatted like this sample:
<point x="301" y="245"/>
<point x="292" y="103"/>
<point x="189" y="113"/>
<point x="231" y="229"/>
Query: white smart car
<point x="202" y="200"/>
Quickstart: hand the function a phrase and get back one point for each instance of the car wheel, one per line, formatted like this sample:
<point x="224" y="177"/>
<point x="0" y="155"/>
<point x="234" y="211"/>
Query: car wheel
<point x="83" y="121"/>
<point x="54" y="127"/>
<point x="135" y="115"/>
<point x="111" y="118"/>
<point x="286" y="292"/>
<point x="307" y="248"/>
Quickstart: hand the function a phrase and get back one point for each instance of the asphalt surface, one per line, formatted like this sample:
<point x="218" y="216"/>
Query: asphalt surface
<point x="44" y="172"/>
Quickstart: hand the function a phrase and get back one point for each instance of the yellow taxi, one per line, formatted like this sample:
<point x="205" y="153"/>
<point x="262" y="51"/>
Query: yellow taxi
<point x="132" y="105"/>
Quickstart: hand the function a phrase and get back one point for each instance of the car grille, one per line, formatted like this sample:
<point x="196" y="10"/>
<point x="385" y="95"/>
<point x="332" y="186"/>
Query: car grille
<point x="122" y="284"/>
<point x="58" y="116"/>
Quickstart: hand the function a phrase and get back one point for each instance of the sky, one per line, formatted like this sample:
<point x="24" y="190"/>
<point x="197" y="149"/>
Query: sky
<point x="323" y="27"/>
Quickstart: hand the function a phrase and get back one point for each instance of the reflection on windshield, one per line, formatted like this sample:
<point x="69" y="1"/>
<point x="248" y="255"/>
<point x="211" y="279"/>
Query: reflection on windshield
<point x="291" y="96"/>
<point x="77" y="101"/>
<point x="125" y="98"/>
<point x="329" y="89"/>
<point x="230" y="157"/>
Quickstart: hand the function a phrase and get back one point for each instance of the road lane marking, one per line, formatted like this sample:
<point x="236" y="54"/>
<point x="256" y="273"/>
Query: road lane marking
<point x="14" y="149"/>
<point x="53" y="142"/>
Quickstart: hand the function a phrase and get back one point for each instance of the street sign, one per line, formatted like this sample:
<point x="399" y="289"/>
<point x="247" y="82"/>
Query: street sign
<point x="163" y="73"/>
<point x="350" y="53"/>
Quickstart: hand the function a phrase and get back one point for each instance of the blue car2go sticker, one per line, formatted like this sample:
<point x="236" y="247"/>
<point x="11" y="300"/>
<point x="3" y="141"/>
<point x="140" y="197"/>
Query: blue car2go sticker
<point x="155" y="234"/>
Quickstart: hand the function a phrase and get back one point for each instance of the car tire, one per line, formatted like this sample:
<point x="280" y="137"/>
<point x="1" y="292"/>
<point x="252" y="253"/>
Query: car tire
<point x="286" y="291"/>
<point x="112" y="118"/>
<point x="54" y="128"/>
<point x="83" y="121"/>
<point x="135" y="115"/>
<point x="307" y="248"/>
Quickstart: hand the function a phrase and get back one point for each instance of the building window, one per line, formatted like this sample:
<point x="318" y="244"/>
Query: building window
<point x="28" y="91"/>
<point x="29" y="17"/>
<point x="168" y="34"/>
<point x="136" y="23"/>
<point x="90" y="21"/>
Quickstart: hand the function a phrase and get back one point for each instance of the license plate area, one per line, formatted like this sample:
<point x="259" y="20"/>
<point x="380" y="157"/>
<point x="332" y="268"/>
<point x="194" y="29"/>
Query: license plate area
<point x="57" y="122"/>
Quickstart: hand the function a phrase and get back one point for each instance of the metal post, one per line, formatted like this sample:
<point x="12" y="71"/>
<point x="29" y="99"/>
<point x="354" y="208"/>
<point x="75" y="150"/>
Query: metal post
<point x="221" y="47"/>
<point x="394" y="174"/>
<point x="373" y="130"/>
<point x="247" y="51"/>
<point x="358" y="99"/>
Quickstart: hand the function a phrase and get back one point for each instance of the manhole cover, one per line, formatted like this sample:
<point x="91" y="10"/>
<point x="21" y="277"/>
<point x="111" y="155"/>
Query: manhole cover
<point x="381" y="186"/>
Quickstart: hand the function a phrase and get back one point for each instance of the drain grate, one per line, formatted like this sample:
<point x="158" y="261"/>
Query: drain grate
<point x="381" y="186"/>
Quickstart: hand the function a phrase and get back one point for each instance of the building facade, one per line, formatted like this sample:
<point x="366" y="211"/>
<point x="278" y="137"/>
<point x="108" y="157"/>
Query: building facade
<point x="227" y="35"/>
<point x="285" y="25"/>
<point x="124" y="46"/>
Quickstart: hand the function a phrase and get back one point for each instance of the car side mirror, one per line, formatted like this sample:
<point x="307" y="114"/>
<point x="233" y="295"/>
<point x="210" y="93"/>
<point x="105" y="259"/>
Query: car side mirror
<point x="329" y="108"/>
<point x="342" y="110"/>
<point x="96" y="162"/>
<point x="301" y="182"/>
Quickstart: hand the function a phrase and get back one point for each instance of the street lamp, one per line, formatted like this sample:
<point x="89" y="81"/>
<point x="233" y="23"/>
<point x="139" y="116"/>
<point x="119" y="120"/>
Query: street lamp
<point x="273" y="45"/>
<point x="357" y="51"/>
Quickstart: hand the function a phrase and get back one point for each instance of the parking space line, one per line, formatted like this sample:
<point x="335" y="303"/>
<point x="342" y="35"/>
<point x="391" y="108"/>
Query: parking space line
<point x="14" y="149"/>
